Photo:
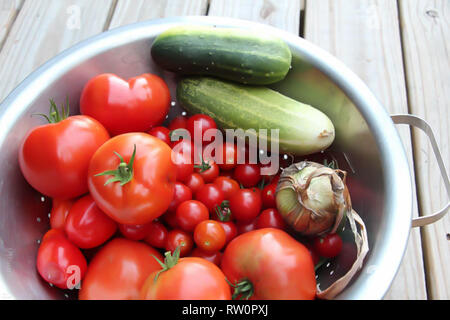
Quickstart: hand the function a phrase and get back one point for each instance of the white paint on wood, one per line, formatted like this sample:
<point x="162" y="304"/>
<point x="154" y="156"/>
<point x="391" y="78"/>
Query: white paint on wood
<point x="8" y="13"/>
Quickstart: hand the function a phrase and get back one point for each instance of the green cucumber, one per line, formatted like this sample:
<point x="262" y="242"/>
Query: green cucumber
<point x="234" y="54"/>
<point x="302" y="129"/>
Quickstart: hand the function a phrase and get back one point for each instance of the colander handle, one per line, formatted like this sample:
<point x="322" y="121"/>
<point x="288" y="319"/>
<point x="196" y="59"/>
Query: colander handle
<point x="418" y="122"/>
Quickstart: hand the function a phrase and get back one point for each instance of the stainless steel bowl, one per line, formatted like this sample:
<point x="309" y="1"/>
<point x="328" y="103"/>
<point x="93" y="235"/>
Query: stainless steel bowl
<point x="365" y="135"/>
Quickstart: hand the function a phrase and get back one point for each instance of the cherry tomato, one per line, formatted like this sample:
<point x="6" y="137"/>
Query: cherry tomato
<point x="210" y="236"/>
<point x="209" y="170"/>
<point x="170" y="218"/>
<point x="227" y="174"/>
<point x="56" y="164"/>
<point x="328" y="246"/>
<point x="189" y="278"/>
<point x="199" y="123"/>
<point x="214" y="257"/>
<point x="280" y="267"/>
<point x="190" y="213"/>
<point x="182" y="193"/>
<point x="135" y="232"/>
<point x="230" y="230"/>
<point x="268" y="196"/>
<point x="59" y="212"/>
<point x="136" y="187"/>
<point x="195" y="182"/>
<point x="118" y="270"/>
<point x="227" y="185"/>
<point x="229" y="157"/>
<point x="86" y="225"/>
<point x="157" y="235"/>
<point x="60" y="262"/>
<point x="179" y="122"/>
<point x="211" y="196"/>
<point x="270" y="218"/>
<point x="126" y="106"/>
<point x="183" y="159"/>
<point x="161" y="133"/>
<point x="179" y="238"/>
<point x="247" y="174"/>
<point x="245" y="204"/>
<point x="246" y="226"/>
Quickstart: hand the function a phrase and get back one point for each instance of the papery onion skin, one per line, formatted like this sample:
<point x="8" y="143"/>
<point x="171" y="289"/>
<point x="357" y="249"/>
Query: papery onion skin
<point x="312" y="198"/>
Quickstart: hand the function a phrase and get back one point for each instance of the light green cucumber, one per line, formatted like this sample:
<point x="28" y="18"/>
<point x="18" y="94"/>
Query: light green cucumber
<point x="240" y="55"/>
<point x="302" y="129"/>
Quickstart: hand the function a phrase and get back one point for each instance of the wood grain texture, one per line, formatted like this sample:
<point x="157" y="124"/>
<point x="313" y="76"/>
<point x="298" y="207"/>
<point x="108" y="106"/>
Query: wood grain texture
<point x="43" y="29"/>
<point x="8" y="12"/>
<point x="364" y="34"/>
<point x="283" y="14"/>
<point x="130" y="11"/>
<point x="426" y="43"/>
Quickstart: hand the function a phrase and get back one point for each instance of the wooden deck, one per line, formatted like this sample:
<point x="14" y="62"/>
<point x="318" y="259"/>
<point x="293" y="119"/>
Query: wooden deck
<point x="401" y="49"/>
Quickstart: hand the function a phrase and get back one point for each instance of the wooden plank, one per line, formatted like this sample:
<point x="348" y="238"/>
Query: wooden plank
<point x="8" y="13"/>
<point x="129" y="11"/>
<point x="365" y="36"/>
<point x="43" y="29"/>
<point x="426" y="45"/>
<point x="283" y="14"/>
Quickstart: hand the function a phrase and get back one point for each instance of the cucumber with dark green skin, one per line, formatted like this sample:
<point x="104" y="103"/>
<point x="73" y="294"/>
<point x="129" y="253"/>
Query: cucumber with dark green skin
<point x="234" y="54"/>
<point x="302" y="129"/>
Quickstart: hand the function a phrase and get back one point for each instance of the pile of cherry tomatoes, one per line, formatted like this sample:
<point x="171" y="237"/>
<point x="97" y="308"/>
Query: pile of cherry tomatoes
<point x="123" y="194"/>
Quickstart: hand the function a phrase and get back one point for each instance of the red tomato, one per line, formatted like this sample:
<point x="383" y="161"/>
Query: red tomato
<point x="183" y="159"/>
<point x="137" y="189"/>
<point x="126" y="106"/>
<point x="56" y="164"/>
<point x="60" y="262"/>
<point x="170" y="218"/>
<point x="229" y="157"/>
<point x="199" y="123"/>
<point x="195" y="182"/>
<point x="227" y="185"/>
<point x="87" y="226"/>
<point x="179" y="122"/>
<point x="227" y="174"/>
<point x="328" y="246"/>
<point x="161" y="133"/>
<point x="178" y="282"/>
<point x="247" y="174"/>
<point x="210" y="236"/>
<point x="60" y="210"/>
<point x="270" y="218"/>
<point x="157" y="235"/>
<point x="190" y="213"/>
<point x="280" y="267"/>
<point x="182" y="193"/>
<point x="214" y="257"/>
<point x="230" y="230"/>
<point x="211" y="196"/>
<point x="268" y="196"/>
<point x="246" y="226"/>
<point x="135" y="232"/>
<point x="245" y="204"/>
<point x="179" y="238"/>
<point x="209" y="170"/>
<point x="118" y="271"/>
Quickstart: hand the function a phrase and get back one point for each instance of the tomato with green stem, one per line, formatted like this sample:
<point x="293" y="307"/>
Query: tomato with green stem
<point x="209" y="170"/>
<point x="131" y="178"/>
<point x="179" y="238"/>
<point x="87" y="226"/>
<point x="224" y="218"/>
<point x="126" y="106"/>
<point x="52" y="161"/>
<point x="118" y="270"/>
<point x="174" y="280"/>
<point x="280" y="267"/>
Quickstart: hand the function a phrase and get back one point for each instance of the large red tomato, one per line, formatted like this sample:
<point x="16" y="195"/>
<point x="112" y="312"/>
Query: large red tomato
<point x="269" y="264"/>
<point x="189" y="278"/>
<point x="132" y="190"/>
<point x="118" y="271"/>
<point x="126" y="106"/>
<point x="54" y="158"/>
